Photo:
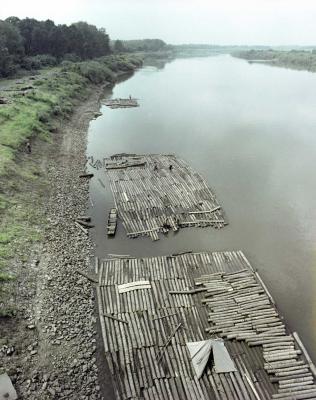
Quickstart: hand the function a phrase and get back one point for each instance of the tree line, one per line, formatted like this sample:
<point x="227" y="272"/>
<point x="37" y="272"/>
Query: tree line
<point x="146" y="45"/>
<point x="29" y="43"/>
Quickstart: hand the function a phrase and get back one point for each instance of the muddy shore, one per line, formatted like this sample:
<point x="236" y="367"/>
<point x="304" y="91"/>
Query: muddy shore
<point x="49" y="349"/>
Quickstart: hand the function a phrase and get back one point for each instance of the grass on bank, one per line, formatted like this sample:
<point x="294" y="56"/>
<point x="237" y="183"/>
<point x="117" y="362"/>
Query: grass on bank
<point x="33" y="113"/>
<point x="30" y="113"/>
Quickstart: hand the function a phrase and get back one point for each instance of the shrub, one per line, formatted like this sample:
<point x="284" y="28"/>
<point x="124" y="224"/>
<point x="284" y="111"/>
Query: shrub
<point x="94" y="71"/>
<point x="71" y="57"/>
<point x="39" y="61"/>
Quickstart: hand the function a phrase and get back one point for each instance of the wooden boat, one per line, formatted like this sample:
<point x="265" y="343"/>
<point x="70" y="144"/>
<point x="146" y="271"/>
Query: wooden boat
<point x="112" y="222"/>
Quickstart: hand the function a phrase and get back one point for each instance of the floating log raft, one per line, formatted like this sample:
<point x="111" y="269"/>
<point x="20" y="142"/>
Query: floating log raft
<point x="148" y="356"/>
<point x="122" y="103"/>
<point x="158" y="193"/>
<point x="241" y="308"/>
<point x="112" y="222"/>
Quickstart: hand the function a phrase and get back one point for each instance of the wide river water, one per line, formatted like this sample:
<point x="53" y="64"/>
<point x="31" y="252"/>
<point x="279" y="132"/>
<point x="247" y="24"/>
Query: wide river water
<point x="250" y="130"/>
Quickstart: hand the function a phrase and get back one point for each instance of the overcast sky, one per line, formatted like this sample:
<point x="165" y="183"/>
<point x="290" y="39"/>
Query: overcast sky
<point x="270" y="22"/>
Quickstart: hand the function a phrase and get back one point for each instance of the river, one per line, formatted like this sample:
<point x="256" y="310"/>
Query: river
<point x="250" y="130"/>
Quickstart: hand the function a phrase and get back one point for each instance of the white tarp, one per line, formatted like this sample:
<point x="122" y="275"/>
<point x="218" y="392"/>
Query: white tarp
<point x="222" y="359"/>
<point x="200" y="353"/>
<point x="7" y="391"/>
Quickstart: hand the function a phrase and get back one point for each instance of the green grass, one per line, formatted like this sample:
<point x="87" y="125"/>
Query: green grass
<point x="31" y="115"/>
<point x="20" y="221"/>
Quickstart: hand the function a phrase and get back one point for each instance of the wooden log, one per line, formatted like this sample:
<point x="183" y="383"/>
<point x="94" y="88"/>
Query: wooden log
<point x="301" y="394"/>
<point x="120" y="256"/>
<point x="290" y="373"/>
<point x="205" y="211"/>
<point x="295" y="380"/>
<point x="294" y="376"/>
<point x="160" y="354"/>
<point x="187" y="292"/>
<point x="291" y="387"/>
<point x="84" y="224"/>
<point x="115" y="318"/>
<point x="85" y="218"/>
<point x="89" y="277"/>
<point x="306" y="355"/>
<point x="85" y="231"/>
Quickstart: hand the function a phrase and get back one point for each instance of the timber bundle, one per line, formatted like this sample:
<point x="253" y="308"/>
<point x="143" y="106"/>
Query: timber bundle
<point x="158" y="193"/>
<point x="121" y="103"/>
<point x="242" y="309"/>
<point x="156" y="311"/>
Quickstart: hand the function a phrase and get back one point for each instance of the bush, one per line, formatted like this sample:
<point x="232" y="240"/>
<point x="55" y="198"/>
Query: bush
<point x="66" y="65"/>
<point x="39" y="61"/>
<point x="94" y="71"/>
<point x="71" y="57"/>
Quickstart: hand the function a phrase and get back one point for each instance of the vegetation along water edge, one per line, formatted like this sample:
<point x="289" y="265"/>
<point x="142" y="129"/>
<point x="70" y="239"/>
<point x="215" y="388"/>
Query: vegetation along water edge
<point x="34" y="109"/>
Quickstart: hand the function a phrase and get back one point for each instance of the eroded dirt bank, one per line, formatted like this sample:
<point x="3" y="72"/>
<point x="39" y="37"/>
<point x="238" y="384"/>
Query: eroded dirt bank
<point x="49" y="349"/>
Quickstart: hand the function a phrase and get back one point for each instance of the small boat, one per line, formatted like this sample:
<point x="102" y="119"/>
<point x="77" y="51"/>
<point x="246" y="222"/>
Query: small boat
<point x="112" y="222"/>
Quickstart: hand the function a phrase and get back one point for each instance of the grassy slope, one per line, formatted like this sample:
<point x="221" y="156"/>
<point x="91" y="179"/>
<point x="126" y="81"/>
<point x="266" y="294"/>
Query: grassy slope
<point x="34" y="114"/>
<point x="295" y="59"/>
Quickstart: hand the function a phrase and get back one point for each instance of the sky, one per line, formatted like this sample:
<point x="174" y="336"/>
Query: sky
<point x="266" y="22"/>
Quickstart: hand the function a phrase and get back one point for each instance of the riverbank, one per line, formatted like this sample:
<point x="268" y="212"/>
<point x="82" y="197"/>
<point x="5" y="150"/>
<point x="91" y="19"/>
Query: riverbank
<point x="35" y="109"/>
<point x="47" y="328"/>
<point x="294" y="59"/>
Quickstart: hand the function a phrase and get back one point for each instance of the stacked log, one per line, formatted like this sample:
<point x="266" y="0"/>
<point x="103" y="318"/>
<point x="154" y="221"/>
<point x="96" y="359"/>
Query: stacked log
<point x="241" y="309"/>
<point x="145" y="331"/>
<point x="155" y="194"/>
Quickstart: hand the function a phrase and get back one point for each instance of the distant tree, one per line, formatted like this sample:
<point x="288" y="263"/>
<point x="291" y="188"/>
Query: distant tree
<point x="33" y="43"/>
<point x="11" y="38"/>
<point x="6" y="61"/>
<point x="11" y="48"/>
<point x="87" y="41"/>
<point x="59" y="41"/>
<point x="119" y="46"/>
<point x="144" y="45"/>
<point x="13" y="20"/>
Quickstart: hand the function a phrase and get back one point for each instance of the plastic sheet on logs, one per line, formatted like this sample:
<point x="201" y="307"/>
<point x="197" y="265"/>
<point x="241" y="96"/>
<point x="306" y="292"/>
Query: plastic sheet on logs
<point x="222" y="359"/>
<point x="7" y="391"/>
<point x="200" y="353"/>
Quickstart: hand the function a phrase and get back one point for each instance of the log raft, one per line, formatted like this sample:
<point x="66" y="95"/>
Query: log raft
<point x="155" y="194"/>
<point x="121" y="103"/>
<point x="193" y="297"/>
